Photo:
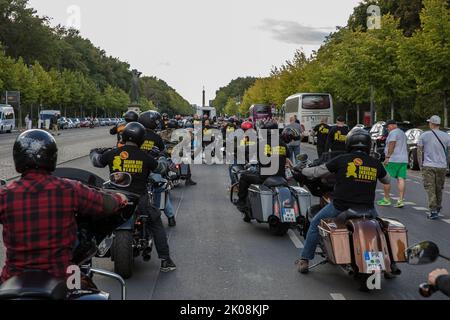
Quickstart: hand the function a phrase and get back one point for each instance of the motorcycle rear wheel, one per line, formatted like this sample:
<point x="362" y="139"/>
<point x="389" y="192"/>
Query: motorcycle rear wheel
<point x="278" y="229"/>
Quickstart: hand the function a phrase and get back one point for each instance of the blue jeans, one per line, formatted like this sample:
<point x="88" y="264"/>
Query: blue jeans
<point x="168" y="211"/>
<point x="313" y="237"/>
<point x="295" y="151"/>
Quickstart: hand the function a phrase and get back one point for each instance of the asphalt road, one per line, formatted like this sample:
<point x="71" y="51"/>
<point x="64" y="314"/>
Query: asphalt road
<point x="220" y="257"/>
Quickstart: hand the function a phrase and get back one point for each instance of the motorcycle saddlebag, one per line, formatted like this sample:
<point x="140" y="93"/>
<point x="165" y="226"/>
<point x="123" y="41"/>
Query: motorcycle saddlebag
<point x="261" y="202"/>
<point x="397" y="236"/>
<point x="336" y="239"/>
<point x="303" y="199"/>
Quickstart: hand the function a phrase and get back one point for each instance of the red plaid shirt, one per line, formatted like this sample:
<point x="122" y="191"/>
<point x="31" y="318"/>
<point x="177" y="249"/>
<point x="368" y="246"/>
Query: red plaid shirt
<point x="38" y="217"/>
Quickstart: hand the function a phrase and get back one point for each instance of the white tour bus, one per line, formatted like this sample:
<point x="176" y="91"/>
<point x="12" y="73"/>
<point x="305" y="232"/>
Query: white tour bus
<point x="7" y="118"/>
<point x="309" y="108"/>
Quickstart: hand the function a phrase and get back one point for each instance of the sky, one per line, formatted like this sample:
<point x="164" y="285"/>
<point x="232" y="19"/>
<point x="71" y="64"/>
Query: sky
<point x="195" y="43"/>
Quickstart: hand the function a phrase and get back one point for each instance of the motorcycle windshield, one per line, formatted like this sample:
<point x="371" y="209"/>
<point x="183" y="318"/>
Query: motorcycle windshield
<point x="80" y="175"/>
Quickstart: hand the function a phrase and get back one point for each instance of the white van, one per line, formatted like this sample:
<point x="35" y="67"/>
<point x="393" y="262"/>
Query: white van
<point x="309" y="108"/>
<point x="210" y="111"/>
<point x="45" y="116"/>
<point x="7" y="118"/>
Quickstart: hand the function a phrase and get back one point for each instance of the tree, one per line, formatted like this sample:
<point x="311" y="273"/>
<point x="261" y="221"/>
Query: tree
<point x="232" y="107"/>
<point x="427" y="54"/>
<point x="235" y="89"/>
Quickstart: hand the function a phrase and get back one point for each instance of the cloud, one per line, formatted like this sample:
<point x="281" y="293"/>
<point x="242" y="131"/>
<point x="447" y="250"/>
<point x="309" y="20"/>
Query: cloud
<point x="294" y="33"/>
<point x="164" y="64"/>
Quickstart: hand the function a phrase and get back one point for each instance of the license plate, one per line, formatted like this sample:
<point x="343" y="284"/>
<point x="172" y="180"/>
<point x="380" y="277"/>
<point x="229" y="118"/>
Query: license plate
<point x="288" y="174"/>
<point x="289" y="215"/>
<point x="374" y="261"/>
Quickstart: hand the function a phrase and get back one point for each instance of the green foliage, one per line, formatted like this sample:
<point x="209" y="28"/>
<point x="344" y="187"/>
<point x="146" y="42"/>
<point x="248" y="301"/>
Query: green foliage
<point x="163" y="97"/>
<point x="407" y="63"/>
<point x="234" y="90"/>
<point x="56" y="67"/>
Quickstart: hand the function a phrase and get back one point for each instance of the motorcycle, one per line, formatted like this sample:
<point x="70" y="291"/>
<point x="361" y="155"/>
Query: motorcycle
<point x="356" y="241"/>
<point x="425" y="253"/>
<point x="274" y="202"/>
<point x="39" y="285"/>
<point x="130" y="238"/>
<point x="129" y="241"/>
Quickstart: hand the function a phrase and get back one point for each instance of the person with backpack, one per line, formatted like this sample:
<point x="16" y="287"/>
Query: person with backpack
<point x="433" y="158"/>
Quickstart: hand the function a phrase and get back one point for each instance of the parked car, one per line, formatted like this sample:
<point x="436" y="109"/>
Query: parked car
<point x="76" y="122"/>
<point x="413" y="138"/>
<point x="63" y="124"/>
<point x="70" y="123"/>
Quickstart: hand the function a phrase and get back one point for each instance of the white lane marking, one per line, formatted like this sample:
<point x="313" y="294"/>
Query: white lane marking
<point x="337" y="296"/>
<point x="410" y="203"/>
<point x="446" y="220"/>
<point x="379" y="190"/>
<point x="447" y="192"/>
<point x="420" y="208"/>
<point x="297" y="243"/>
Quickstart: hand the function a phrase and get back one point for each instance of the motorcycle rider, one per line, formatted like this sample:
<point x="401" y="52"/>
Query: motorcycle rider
<point x="164" y="122"/>
<point x="244" y="143"/>
<point x="272" y="148"/>
<point x="356" y="175"/>
<point x="38" y="211"/>
<point x="130" y="116"/>
<point x="130" y="158"/>
<point x="151" y="120"/>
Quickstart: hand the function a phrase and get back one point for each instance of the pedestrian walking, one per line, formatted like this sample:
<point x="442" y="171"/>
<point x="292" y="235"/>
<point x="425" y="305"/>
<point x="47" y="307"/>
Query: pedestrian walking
<point x="433" y="147"/>
<point x="321" y="131"/>
<point x="396" y="163"/>
<point x="28" y="122"/>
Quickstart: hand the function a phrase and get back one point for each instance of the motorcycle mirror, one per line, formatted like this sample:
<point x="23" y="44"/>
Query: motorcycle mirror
<point x="2" y="182"/>
<point x="120" y="179"/>
<point x="422" y="253"/>
<point x="302" y="157"/>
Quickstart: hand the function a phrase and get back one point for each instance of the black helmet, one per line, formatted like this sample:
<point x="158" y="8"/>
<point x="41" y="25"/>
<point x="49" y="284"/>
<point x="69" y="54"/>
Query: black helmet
<point x="131" y="116"/>
<point x="165" y="116"/>
<point x="358" y="139"/>
<point x="189" y="125"/>
<point x="150" y="119"/>
<point x="290" y="134"/>
<point x="35" y="149"/>
<point x="134" y="132"/>
<point x="173" y="124"/>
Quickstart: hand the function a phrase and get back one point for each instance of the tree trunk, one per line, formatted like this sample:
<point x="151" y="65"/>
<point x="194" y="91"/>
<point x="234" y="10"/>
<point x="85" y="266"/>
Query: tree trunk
<point x="372" y="105"/>
<point x="392" y="110"/>
<point x="445" y="110"/>
<point x="357" y="114"/>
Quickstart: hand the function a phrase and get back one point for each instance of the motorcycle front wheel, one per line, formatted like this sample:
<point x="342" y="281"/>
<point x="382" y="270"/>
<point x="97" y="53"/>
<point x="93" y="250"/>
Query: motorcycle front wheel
<point x="123" y="253"/>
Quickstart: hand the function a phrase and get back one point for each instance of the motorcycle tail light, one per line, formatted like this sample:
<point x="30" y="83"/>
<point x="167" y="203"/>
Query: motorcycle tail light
<point x="277" y="209"/>
<point x="296" y="209"/>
